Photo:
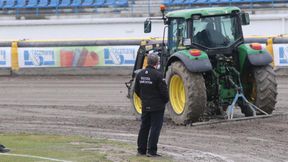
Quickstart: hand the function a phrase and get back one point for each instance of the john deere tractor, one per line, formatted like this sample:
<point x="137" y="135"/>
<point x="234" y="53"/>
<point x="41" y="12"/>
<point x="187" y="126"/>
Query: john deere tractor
<point x="208" y="68"/>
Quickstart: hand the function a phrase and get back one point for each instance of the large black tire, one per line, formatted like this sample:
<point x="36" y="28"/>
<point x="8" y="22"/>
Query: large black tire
<point x="187" y="93"/>
<point x="135" y="102"/>
<point x="264" y="91"/>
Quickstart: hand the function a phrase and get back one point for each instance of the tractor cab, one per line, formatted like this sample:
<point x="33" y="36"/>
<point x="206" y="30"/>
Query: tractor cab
<point x="207" y="29"/>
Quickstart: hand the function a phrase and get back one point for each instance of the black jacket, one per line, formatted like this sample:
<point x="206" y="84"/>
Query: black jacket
<point x="152" y="89"/>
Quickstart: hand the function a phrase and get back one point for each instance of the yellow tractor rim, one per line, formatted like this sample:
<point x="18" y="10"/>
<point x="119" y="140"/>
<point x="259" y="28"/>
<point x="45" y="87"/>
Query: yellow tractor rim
<point x="137" y="103"/>
<point x="177" y="94"/>
<point x="254" y="92"/>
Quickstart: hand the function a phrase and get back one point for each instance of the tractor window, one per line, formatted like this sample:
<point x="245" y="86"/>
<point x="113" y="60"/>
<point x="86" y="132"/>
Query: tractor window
<point x="177" y="33"/>
<point x="215" y="32"/>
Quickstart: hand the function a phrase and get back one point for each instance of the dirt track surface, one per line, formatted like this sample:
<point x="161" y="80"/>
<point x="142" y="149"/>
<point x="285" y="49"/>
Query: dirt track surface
<point x="97" y="107"/>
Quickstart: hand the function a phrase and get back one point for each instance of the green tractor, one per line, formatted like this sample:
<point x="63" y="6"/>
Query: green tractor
<point x="207" y="66"/>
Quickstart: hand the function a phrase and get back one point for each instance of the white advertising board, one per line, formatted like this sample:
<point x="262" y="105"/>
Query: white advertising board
<point x="280" y="54"/>
<point x="36" y="57"/>
<point x="5" y="57"/>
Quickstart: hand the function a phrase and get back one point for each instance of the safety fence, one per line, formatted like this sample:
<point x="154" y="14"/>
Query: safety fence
<point x="101" y="54"/>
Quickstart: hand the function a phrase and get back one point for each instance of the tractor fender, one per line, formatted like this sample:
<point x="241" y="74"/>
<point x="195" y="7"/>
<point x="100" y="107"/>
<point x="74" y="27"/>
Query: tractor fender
<point x="260" y="59"/>
<point x="255" y="57"/>
<point x="193" y="65"/>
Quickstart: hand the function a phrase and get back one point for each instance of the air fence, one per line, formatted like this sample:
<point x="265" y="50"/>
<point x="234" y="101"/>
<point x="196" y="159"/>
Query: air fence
<point x="95" y="57"/>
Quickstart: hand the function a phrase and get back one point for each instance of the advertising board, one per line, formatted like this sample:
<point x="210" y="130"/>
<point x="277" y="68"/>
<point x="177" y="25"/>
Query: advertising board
<point x="5" y="57"/>
<point x="85" y="56"/>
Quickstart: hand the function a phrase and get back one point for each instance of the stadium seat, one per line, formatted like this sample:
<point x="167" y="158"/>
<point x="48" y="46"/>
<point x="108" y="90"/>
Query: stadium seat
<point x="122" y="3"/>
<point x="32" y="4"/>
<point x="42" y="4"/>
<point x="9" y="4"/>
<point x="54" y="3"/>
<point x="167" y="2"/>
<point x="109" y="2"/>
<point x="239" y="1"/>
<point x="189" y="2"/>
<point x="87" y="3"/>
<point x="177" y="2"/>
<point x="262" y="1"/>
<point x="201" y="2"/>
<point x="20" y="3"/>
<point x="1" y="3"/>
<point x="76" y="3"/>
<point x="225" y="1"/>
<point x="65" y="3"/>
<point x="99" y="3"/>
<point x="214" y="1"/>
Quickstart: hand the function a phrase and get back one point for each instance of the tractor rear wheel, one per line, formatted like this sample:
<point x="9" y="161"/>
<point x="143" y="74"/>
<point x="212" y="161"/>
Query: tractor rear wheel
<point x="264" y="89"/>
<point x="187" y="93"/>
<point x="136" y="102"/>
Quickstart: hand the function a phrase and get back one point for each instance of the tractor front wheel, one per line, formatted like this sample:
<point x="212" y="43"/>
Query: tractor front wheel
<point x="187" y="93"/>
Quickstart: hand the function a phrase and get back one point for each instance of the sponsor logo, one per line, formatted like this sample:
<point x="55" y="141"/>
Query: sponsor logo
<point x="119" y="56"/>
<point x="39" y="57"/>
<point x="283" y="55"/>
<point x="3" y="57"/>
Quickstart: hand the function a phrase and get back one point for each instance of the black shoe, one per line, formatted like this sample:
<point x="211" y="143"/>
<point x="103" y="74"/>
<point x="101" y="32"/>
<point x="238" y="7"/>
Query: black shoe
<point x="153" y="155"/>
<point x="3" y="149"/>
<point x="140" y="154"/>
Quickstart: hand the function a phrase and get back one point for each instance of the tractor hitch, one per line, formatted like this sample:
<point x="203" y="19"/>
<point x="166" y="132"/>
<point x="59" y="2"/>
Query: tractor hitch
<point x="128" y="85"/>
<point x="239" y="94"/>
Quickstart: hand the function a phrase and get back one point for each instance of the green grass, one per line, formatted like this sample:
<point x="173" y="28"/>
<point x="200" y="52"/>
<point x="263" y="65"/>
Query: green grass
<point x="69" y="148"/>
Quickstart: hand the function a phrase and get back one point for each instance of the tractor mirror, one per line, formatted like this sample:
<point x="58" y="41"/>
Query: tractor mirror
<point x="147" y="26"/>
<point x="245" y="19"/>
<point x="187" y="42"/>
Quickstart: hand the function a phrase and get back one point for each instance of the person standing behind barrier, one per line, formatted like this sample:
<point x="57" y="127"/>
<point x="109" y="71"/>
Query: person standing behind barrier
<point x="153" y="92"/>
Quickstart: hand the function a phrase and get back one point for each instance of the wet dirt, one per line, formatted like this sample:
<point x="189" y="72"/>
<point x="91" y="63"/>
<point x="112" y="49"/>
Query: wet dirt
<point x="96" y="106"/>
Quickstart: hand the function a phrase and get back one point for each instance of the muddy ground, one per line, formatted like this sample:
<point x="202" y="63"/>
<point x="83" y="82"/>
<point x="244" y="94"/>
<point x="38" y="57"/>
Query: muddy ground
<point x="97" y="107"/>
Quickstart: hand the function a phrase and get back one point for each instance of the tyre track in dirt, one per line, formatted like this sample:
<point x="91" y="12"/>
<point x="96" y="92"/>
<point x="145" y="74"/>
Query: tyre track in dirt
<point x="97" y="106"/>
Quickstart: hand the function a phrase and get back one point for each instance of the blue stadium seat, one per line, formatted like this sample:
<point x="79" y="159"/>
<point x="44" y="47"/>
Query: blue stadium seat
<point x="236" y="1"/>
<point x="189" y="2"/>
<point x="109" y="2"/>
<point x="20" y="3"/>
<point x="167" y="2"/>
<point x="177" y="2"/>
<point x="99" y="3"/>
<point x="76" y="3"/>
<point x="262" y="1"/>
<point x="42" y="4"/>
<point x="214" y="1"/>
<point x="54" y="3"/>
<point x="65" y="3"/>
<point x="225" y="1"/>
<point x="122" y="3"/>
<point x="9" y="4"/>
<point x="1" y="3"/>
<point x="32" y="4"/>
<point x="87" y="3"/>
<point x="201" y="2"/>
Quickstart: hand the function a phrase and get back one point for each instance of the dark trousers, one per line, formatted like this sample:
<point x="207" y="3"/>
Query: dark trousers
<point x="151" y="124"/>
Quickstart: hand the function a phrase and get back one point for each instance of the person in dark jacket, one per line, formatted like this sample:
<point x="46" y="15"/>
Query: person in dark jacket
<point x="152" y="90"/>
